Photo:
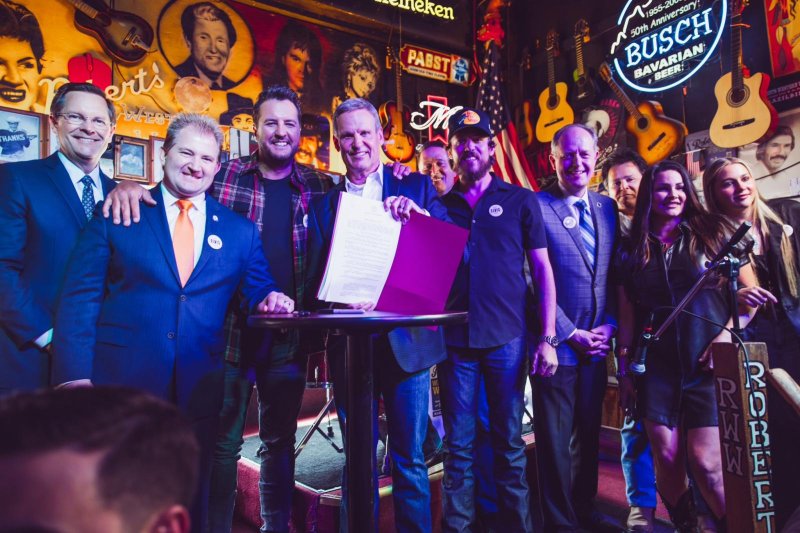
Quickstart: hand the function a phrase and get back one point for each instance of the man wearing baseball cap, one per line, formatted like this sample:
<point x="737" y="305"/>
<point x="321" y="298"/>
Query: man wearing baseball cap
<point x="506" y="228"/>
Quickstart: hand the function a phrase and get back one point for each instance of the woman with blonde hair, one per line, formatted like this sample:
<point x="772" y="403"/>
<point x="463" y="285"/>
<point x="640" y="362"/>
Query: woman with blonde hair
<point x="731" y="191"/>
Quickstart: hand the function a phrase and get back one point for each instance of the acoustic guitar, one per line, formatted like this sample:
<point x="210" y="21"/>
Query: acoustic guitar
<point x="398" y="142"/>
<point x="585" y="86"/>
<point x="124" y="36"/>
<point x="657" y="136"/>
<point x="554" y="110"/>
<point x="744" y="113"/>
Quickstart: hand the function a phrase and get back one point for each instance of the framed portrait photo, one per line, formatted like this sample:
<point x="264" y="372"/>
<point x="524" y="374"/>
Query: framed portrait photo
<point x="156" y="168"/>
<point x="132" y="159"/>
<point x="21" y="135"/>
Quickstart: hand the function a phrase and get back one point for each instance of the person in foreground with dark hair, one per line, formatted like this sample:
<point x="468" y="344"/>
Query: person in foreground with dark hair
<point x="103" y="459"/>
<point x="730" y="190"/>
<point x="671" y="238"/>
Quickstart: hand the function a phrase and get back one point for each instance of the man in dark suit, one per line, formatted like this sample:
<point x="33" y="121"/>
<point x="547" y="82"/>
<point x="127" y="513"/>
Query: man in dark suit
<point x="403" y="356"/>
<point x="43" y="207"/>
<point x="581" y="228"/>
<point x="144" y="305"/>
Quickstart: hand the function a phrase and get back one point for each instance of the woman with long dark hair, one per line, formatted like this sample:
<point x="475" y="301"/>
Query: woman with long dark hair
<point x="672" y="236"/>
<point x="730" y="190"/>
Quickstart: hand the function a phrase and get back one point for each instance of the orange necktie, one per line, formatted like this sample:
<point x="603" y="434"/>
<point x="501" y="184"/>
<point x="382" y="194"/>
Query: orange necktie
<point x="183" y="241"/>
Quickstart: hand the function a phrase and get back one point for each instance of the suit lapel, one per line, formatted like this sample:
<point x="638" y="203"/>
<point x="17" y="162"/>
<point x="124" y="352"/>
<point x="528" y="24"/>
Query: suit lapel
<point x="212" y="223"/>
<point x="604" y="232"/>
<point x="107" y="184"/>
<point x="391" y="185"/>
<point x="564" y="211"/>
<point x="61" y="181"/>
<point x="156" y="217"/>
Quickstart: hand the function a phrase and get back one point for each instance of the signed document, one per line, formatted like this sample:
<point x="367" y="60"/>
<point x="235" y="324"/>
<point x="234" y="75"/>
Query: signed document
<point x="404" y="268"/>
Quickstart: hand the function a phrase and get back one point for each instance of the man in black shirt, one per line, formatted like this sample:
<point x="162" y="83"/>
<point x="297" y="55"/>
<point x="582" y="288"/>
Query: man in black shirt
<point x="505" y="229"/>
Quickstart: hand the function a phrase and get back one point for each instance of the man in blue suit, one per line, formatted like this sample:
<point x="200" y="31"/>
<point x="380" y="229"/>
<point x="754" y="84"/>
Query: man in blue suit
<point x="43" y="207"/>
<point x="581" y="228"/>
<point x="404" y="356"/>
<point x="144" y="306"/>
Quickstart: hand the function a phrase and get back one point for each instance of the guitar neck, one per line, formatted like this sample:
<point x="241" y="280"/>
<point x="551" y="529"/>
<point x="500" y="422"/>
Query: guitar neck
<point x="551" y="72"/>
<point x="84" y="8"/>
<point x="736" y="52"/>
<point x="398" y="86"/>
<point x="626" y="101"/>
<point x="579" y="68"/>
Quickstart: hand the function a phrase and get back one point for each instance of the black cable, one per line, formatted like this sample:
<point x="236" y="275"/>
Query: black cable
<point x="746" y="352"/>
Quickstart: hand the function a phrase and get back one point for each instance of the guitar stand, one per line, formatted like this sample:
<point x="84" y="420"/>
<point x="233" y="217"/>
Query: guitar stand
<point x="315" y="426"/>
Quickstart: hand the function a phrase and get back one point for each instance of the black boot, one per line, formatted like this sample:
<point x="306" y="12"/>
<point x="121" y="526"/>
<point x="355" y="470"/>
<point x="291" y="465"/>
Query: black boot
<point x="683" y="514"/>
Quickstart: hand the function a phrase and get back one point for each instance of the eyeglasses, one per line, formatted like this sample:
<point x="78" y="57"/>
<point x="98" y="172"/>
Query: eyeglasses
<point x="76" y="119"/>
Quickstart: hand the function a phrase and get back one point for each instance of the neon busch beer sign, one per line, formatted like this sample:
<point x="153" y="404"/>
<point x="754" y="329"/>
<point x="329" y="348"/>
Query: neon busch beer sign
<point x="661" y="44"/>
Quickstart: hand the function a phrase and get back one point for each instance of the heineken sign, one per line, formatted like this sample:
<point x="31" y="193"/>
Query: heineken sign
<point x="660" y="45"/>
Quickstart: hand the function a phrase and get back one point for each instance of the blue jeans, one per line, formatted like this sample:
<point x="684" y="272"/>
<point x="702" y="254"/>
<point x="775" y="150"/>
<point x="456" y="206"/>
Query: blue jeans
<point x="504" y="372"/>
<point x="280" y="393"/>
<point x="637" y="465"/>
<point x="405" y="400"/>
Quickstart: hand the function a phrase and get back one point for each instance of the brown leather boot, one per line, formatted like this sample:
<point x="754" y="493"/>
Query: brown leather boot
<point x="683" y="514"/>
<point x="640" y="519"/>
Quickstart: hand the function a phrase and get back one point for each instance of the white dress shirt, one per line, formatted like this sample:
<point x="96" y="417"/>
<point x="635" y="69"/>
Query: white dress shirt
<point x="572" y="200"/>
<point x="76" y="175"/>
<point x="372" y="189"/>
<point x="197" y="214"/>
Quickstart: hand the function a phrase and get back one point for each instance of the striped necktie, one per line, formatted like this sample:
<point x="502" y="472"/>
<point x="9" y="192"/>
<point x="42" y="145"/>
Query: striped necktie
<point x="587" y="230"/>
<point x="87" y="197"/>
<point x="183" y="241"/>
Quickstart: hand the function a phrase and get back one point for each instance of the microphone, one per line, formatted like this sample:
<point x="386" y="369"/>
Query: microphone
<point x="638" y="363"/>
<point x="734" y="240"/>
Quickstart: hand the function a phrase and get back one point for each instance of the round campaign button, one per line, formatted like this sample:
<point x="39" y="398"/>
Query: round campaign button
<point x="496" y="210"/>
<point x="305" y="221"/>
<point x="570" y="222"/>
<point x="788" y="230"/>
<point x="215" y="242"/>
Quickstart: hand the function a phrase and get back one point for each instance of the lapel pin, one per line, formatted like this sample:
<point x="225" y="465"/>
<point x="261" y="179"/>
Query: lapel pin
<point x="570" y="222"/>
<point x="215" y="242"/>
<point x="215" y="218"/>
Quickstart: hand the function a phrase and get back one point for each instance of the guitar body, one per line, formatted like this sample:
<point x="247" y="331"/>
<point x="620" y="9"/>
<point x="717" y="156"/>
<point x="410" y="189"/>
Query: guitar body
<point x="124" y="36"/>
<point x="524" y="125"/>
<point x="657" y="136"/>
<point x="746" y="121"/>
<point x="398" y="144"/>
<point x="554" y="113"/>
<point x="585" y="93"/>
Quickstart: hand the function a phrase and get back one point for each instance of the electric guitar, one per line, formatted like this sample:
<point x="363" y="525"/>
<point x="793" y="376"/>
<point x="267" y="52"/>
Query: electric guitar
<point x="398" y="142"/>
<point x="744" y="113"/>
<point x="554" y="110"/>
<point x="522" y="114"/>
<point x="124" y="36"/>
<point x="657" y="136"/>
<point x="585" y="86"/>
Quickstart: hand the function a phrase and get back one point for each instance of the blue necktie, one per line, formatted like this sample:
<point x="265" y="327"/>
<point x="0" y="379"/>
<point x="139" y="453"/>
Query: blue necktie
<point x="587" y="230"/>
<point x="87" y="198"/>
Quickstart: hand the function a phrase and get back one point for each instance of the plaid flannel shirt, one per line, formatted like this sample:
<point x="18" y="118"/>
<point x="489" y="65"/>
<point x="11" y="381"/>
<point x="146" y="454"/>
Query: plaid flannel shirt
<point x="238" y="186"/>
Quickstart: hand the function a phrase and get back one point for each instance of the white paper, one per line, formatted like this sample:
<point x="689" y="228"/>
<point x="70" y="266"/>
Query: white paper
<point x="362" y="251"/>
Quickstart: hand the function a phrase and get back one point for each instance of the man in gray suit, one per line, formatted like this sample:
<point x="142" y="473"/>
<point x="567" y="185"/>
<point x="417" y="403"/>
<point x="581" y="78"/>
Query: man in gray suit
<point x="581" y="228"/>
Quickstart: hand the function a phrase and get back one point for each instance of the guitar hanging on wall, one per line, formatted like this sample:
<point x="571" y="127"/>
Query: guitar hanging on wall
<point x="585" y="86"/>
<point x="657" y="136"/>
<point x="554" y="110"/>
<point x="398" y="142"/>
<point x="522" y="114"/>
<point x="124" y="36"/>
<point x="744" y="113"/>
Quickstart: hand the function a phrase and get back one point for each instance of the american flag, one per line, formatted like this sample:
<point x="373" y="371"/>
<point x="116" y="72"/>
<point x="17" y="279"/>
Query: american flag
<point x="510" y="163"/>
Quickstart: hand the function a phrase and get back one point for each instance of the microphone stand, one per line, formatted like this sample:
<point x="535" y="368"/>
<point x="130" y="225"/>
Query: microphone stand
<point x="728" y="266"/>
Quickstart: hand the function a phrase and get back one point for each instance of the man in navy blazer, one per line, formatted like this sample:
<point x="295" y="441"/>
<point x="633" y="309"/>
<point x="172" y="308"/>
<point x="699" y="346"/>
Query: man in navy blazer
<point x="130" y="315"/>
<point x="581" y="229"/>
<point x="44" y="205"/>
<point x="404" y="356"/>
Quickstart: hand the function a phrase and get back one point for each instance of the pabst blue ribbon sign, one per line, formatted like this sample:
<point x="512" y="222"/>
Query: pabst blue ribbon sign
<point x="661" y="44"/>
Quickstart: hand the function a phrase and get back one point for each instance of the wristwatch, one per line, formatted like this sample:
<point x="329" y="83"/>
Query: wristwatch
<point x="552" y="340"/>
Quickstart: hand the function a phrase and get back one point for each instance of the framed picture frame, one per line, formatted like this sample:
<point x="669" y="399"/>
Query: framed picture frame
<point x="156" y="168"/>
<point x="21" y="135"/>
<point x="132" y="159"/>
